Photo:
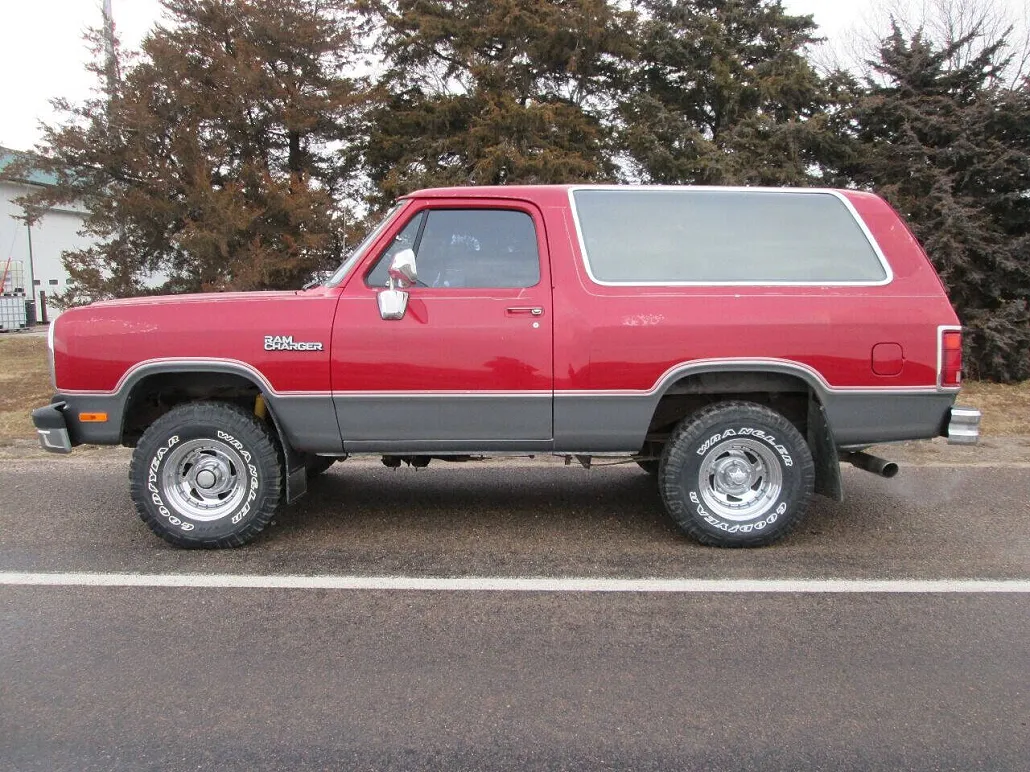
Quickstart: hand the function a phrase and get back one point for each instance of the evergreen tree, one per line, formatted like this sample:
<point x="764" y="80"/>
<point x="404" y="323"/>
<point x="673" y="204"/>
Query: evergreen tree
<point x="722" y="93"/>
<point x="491" y="92"/>
<point x="208" y="163"/>
<point x="951" y="151"/>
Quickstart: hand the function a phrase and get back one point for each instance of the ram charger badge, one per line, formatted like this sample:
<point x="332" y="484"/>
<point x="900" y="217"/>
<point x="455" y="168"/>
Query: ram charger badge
<point x="286" y="343"/>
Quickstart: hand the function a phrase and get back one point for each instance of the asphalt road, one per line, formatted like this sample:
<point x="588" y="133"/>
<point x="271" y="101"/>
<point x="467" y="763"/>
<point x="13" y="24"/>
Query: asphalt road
<point x="227" y="678"/>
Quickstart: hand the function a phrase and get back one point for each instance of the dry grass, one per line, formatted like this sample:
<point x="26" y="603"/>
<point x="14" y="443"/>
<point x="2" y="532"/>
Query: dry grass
<point x="25" y="384"/>
<point x="1006" y="408"/>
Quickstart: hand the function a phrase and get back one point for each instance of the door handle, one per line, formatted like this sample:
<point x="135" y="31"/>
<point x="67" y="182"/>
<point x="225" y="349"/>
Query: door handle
<point x="531" y="310"/>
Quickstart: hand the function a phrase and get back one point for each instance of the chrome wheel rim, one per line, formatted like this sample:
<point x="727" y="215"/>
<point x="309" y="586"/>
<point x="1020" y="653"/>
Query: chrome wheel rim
<point x="740" y="479"/>
<point x="205" y="479"/>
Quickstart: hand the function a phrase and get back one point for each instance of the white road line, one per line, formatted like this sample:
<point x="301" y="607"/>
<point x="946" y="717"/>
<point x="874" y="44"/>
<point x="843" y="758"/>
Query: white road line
<point x="515" y="584"/>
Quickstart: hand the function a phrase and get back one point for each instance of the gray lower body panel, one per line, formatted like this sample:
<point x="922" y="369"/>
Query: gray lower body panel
<point x="582" y="423"/>
<point x="866" y="418"/>
<point x="309" y="423"/>
<point x="603" y="423"/>
<point x="618" y="423"/>
<point x="108" y="432"/>
<point x="446" y="423"/>
<point x="447" y="447"/>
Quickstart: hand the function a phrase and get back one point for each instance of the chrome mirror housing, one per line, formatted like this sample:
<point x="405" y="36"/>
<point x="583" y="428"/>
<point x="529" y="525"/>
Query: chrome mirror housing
<point x="402" y="268"/>
<point x="392" y="302"/>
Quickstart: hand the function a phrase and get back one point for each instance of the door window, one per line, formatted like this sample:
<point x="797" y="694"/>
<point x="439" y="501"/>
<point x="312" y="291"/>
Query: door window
<point x="471" y="248"/>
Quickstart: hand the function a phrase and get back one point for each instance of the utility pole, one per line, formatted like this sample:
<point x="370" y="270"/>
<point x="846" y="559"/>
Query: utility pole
<point x="32" y="275"/>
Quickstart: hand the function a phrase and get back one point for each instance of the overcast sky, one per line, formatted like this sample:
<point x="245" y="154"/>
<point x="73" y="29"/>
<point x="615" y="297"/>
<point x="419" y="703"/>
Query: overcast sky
<point x="42" y="54"/>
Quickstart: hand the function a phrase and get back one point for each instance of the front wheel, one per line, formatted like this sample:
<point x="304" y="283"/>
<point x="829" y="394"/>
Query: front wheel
<point x="206" y="474"/>
<point x="736" y="474"/>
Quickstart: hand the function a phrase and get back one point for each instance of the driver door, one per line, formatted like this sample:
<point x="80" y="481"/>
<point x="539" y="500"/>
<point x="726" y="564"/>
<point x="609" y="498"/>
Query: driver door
<point x="469" y="367"/>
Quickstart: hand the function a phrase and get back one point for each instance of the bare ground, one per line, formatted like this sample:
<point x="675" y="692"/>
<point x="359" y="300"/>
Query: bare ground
<point x="1006" y="407"/>
<point x="24" y="383"/>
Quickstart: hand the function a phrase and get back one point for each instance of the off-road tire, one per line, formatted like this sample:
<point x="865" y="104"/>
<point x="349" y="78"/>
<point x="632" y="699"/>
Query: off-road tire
<point x="736" y="474"/>
<point x="207" y="475"/>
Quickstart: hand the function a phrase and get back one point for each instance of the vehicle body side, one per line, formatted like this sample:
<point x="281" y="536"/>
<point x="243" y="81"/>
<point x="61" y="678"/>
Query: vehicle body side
<point x="737" y="344"/>
<point x="616" y="365"/>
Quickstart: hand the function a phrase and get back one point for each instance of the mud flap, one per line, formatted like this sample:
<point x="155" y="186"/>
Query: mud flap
<point x="296" y="473"/>
<point x="294" y="463"/>
<point x="824" y="453"/>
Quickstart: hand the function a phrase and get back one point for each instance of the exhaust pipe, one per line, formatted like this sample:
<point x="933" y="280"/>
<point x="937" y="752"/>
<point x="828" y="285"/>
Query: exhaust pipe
<point x="874" y="464"/>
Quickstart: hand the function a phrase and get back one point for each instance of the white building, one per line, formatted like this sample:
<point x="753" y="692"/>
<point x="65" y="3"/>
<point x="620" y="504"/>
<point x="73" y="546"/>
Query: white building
<point x="32" y="256"/>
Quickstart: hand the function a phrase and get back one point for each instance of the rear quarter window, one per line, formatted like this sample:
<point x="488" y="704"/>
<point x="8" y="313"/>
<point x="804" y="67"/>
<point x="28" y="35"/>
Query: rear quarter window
<point x="706" y="236"/>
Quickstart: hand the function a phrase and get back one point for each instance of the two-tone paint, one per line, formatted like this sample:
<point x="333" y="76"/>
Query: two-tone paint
<point x="567" y="365"/>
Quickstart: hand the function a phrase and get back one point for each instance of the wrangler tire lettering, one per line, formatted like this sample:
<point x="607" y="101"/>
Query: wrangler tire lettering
<point x="748" y="439"/>
<point x="213" y="423"/>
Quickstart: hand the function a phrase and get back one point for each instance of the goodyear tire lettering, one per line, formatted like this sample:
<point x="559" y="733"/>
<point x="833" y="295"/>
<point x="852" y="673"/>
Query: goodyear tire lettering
<point x="685" y="478"/>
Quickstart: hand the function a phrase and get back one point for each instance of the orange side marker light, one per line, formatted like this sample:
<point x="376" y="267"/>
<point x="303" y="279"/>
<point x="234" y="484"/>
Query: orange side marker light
<point x="93" y="418"/>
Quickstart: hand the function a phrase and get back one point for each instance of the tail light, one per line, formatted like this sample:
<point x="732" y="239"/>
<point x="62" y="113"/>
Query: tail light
<point x="949" y="354"/>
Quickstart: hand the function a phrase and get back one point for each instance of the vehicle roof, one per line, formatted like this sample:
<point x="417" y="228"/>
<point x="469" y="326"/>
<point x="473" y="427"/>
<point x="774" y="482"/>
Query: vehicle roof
<point x="532" y="191"/>
<point x="491" y="191"/>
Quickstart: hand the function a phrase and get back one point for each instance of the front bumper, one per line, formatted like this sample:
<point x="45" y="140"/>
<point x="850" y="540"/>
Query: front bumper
<point x="52" y="428"/>
<point x="964" y="426"/>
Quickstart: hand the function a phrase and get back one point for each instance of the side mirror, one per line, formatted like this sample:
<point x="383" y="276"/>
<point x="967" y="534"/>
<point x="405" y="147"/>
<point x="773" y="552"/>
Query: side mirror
<point x="402" y="268"/>
<point x="393" y="302"/>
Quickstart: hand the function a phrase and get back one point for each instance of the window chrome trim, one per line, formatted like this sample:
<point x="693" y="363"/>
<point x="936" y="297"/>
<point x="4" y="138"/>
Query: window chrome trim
<point x="644" y="189"/>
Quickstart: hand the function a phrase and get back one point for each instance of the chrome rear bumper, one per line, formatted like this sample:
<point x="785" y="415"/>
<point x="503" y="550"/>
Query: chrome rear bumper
<point x="964" y="426"/>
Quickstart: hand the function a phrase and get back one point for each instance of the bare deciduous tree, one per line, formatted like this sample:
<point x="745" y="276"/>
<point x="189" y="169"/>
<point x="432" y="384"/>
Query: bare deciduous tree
<point x="941" y="22"/>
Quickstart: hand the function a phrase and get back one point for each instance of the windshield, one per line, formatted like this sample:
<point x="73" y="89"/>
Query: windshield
<point x="359" y="251"/>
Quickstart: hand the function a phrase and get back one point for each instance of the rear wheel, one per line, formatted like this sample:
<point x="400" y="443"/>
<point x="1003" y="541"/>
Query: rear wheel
<point x="206" y="474"/>
<point x="736" y="474"/>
